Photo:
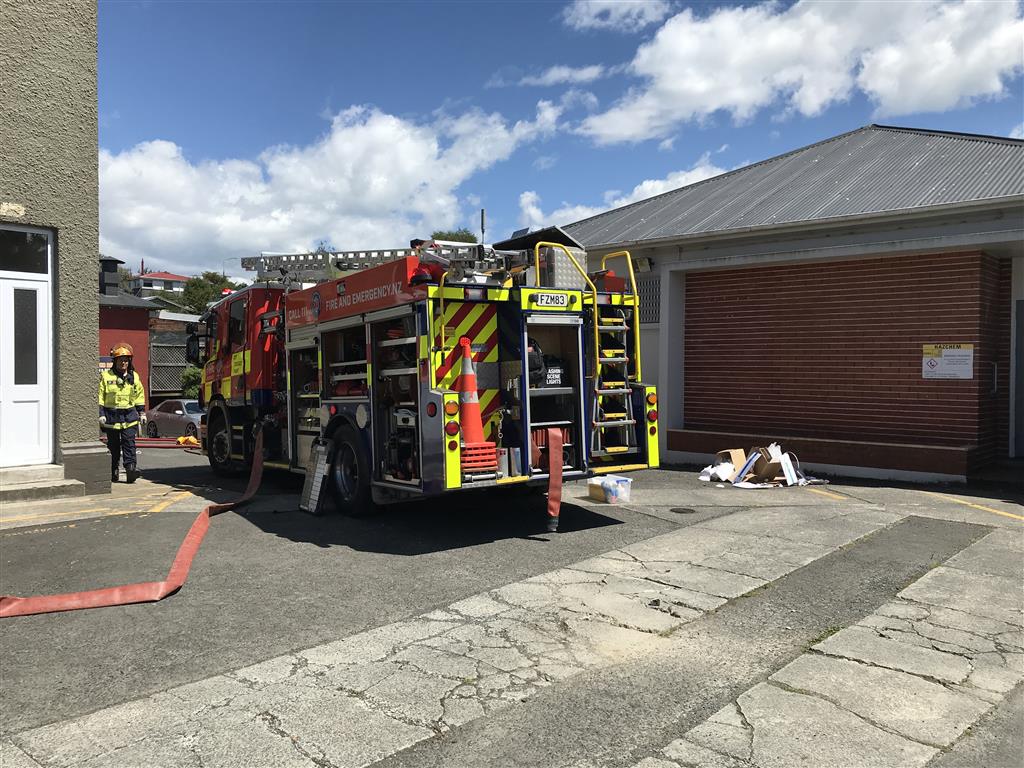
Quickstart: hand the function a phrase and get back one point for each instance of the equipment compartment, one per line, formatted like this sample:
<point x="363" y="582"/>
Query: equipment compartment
<point x="395" y="400"/>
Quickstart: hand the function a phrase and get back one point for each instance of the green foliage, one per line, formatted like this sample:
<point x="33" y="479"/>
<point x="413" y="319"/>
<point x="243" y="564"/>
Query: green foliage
<point x="124" y="279"/>
<point x="461" y="235"/>
<point x="200" y="291"/>
<point x="191" y="379"/>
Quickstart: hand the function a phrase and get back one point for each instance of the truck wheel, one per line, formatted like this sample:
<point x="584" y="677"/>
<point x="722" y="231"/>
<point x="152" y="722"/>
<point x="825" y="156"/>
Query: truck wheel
<point x="218" y="448"/>
<point x="349" y="474"/>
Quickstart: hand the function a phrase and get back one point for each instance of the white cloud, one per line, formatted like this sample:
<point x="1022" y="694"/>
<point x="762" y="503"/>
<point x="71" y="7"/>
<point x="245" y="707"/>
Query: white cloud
<point x="532" y="215"/>
<point x="906" y="57"/>
<point x="560" y="75"/>
<point x="1017" y="132"/>
<point x="544" y="162"/>
<point x="374" y="180"/>
<point x="615" y="15"/>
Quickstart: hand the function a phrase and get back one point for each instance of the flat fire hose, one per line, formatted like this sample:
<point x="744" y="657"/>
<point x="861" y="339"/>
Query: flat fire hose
<point x="145" y="592"/>
<point x="554" y="444"/>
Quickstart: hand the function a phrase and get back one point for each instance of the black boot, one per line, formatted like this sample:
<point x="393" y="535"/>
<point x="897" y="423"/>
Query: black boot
<point x="132" y="473"/>
<point x="113" y="474"/>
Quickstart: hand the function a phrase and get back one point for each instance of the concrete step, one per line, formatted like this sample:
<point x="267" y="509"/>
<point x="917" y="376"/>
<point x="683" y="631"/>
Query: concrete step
<point x="46" y="489"/>
<point x="35" y="473"/>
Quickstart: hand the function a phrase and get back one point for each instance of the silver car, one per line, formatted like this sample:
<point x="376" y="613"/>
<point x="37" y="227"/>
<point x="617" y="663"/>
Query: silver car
<point x="173" y="418"/>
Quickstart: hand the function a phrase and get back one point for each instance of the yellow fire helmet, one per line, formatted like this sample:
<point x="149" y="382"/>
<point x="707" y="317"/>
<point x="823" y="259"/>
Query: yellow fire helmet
<point x="122" y="349"/>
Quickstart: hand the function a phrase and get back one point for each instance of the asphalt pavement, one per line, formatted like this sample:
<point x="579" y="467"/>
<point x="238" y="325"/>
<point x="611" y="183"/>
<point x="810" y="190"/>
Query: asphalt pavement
<point x="690" y="626"/>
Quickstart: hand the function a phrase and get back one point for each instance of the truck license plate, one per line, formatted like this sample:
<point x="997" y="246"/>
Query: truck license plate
<point x="551" y="299"/>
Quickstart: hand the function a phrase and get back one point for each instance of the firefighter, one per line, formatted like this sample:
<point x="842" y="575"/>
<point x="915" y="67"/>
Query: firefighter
<point x="122" y="410"/>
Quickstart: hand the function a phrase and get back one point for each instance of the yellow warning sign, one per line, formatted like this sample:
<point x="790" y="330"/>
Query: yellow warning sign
<point x="947" y="361"/>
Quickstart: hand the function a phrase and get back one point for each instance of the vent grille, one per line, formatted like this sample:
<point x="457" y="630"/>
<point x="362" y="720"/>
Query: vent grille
<point x="649" y="290"/>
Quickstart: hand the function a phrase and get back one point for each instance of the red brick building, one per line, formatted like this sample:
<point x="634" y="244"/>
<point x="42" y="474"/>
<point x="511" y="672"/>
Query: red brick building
<point x="123" y="317"/>
<point x="860" y="300"/>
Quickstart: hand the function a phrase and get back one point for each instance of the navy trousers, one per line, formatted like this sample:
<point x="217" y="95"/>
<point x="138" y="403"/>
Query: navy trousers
<point x="121" y="444"/>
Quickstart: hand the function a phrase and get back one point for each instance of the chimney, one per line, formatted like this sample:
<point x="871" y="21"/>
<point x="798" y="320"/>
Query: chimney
<point x="110" y="284"/>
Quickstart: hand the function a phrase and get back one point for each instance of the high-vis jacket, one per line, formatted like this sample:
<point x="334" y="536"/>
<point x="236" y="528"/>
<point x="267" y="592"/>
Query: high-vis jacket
<point x="121" y="400"/>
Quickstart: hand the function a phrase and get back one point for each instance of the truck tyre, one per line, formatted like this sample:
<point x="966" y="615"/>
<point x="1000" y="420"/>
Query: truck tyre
<point x="349" y="474"/>
<point x="218" y="445"/>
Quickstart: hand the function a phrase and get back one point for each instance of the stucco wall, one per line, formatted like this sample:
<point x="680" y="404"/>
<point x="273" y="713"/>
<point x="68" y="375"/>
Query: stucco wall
<point x="49" y="177"/>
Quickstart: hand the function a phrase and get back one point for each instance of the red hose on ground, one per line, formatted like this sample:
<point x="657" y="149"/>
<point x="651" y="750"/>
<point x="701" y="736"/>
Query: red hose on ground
<point x="146" y="592"/>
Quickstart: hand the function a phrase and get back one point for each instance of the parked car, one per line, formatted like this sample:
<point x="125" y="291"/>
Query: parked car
<point x="173" y="418"/>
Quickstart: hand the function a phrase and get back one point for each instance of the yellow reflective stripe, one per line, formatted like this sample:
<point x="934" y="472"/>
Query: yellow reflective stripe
<point x="452" y="458"/>
<point x="248" y="361"/>
<point x="618" y="468"/>
<point x="652" y="440"/>
<point x="453" y="334"/>
<point x="225" y="387"/>
<point x="207" y="392"/>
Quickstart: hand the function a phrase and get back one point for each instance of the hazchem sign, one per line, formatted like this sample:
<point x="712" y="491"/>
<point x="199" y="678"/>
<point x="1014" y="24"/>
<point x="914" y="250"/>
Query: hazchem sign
<point x="947" y="361"/>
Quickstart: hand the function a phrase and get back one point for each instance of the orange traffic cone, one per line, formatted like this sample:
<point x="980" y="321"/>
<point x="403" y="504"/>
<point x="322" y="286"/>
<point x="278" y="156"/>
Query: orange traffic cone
<point x="477" y="455"/>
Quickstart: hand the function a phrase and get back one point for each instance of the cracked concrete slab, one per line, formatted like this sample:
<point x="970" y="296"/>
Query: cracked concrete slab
<point x="993" y="597"/>
<point x="910" y="679"/>
<point x="358" y="699"/>
<point x="862" y="644"/>
<point x="916" y="708"/>
<point x="686" y="754"/>
<point x="788" y="729"/>
<point x="12" y="757"/>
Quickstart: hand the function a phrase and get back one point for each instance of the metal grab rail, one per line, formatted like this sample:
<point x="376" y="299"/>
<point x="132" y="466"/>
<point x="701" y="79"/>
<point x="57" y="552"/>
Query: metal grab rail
<point x="583" y="273"/>
<point x="636" y="305"/>
<point x="440" y="291"/>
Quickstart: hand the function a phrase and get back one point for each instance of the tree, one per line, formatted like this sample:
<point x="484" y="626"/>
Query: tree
<point x="191" y="379"/>
<point x="461" y="235"/>
<point x="124" y="279"/>
<point x="200" y="291"/>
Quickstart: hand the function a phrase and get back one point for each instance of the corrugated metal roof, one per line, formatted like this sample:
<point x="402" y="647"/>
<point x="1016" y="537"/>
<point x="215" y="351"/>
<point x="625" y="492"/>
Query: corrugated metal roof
<point x="124" y="301"/>
<point x="875" y="169"/>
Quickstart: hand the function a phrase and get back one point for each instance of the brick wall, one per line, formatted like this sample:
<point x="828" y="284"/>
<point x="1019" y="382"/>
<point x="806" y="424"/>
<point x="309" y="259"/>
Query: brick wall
<point x="833" y="350"/>
<point x="132" y="326"/>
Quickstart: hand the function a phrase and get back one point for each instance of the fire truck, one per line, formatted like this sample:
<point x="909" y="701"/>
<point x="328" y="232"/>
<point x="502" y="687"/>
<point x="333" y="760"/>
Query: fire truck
<point x="431" y="369"/>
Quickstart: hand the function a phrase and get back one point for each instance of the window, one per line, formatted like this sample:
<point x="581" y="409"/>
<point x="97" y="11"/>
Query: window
<point x="167" y="407"/>
<point x="236" y="323"/>
<point x="212" y="330"/>
<point x="168" y="285"/>
<point x="24" y="251"/>
<point x="191" y="406"/>
<point x="147" y="283"/>
<point x="26" y="353"/>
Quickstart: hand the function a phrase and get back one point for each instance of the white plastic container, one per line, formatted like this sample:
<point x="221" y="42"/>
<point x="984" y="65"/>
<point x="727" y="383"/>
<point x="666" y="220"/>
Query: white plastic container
<point x="611" y="489"/>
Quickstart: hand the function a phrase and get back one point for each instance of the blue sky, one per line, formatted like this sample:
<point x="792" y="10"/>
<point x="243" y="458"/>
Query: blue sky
<point x="227" y="128"/>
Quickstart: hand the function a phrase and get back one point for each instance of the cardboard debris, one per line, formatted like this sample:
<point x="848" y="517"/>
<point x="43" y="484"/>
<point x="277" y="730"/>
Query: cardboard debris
<point x="768" y="467"/>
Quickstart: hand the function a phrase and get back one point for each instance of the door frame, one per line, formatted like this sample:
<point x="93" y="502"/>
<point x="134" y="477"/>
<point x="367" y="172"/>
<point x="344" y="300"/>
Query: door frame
<point x="48" y="353"/>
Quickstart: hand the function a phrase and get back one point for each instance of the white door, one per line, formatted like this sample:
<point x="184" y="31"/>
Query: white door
<point x="26" y="407"/>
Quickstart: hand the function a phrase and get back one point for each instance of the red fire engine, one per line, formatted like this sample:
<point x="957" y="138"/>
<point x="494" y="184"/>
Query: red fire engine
<point x="436" y="368"/>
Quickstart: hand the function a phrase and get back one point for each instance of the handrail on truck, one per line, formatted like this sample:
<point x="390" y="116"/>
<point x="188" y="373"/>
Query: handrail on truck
<point x="440" y="292"/>
<point x="583" y="273"/>
<point x="636" y="304"/>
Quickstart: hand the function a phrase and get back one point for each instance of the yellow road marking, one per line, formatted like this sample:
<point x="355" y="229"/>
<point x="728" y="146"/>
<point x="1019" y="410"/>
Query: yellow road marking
<point x="972" y="505"/>
<point x="827" y="493"/>
<point x="106" y="511"/>
<point x="165" y="504"/>
<point x="43" y="515"/>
